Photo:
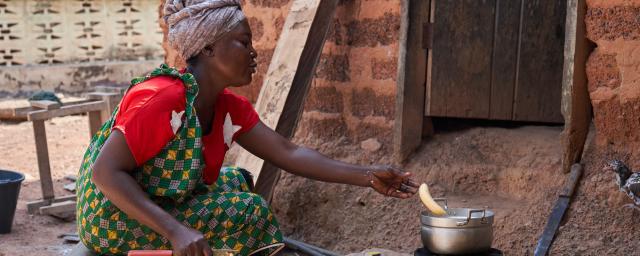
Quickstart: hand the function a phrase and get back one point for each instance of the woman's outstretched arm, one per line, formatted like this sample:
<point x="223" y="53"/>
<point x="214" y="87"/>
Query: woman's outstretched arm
<point x="265" y="143"/>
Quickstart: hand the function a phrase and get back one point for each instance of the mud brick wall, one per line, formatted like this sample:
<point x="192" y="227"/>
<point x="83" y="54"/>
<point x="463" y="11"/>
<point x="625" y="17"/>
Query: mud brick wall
<point x="613" y="71"/>
<point x="352" y="97"/>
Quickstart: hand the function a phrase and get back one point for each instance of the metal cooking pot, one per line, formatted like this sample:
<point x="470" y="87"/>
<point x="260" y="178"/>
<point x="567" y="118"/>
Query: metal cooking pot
<point x="461" y="231"/>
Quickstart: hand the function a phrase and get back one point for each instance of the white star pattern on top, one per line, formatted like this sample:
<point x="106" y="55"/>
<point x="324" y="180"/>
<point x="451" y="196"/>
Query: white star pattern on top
<point x="229" y="129"/>
<point x="176" y="121"/>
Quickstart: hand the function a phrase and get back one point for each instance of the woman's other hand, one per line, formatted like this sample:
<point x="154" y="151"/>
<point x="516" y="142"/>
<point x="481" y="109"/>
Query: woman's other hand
<point x="390" y="181"/>
<point x="189" y="242"/>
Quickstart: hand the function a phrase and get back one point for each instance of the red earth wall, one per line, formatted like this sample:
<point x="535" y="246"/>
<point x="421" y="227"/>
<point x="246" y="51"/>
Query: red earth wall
<point x="613" y="71"/>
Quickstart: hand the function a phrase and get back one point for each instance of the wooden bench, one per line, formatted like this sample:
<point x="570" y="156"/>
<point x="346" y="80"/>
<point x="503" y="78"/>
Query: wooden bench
<point x="99" y="107"/>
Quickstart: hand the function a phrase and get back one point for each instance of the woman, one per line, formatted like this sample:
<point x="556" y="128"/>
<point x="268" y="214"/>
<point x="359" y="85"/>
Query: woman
<point x="152" y="177"/>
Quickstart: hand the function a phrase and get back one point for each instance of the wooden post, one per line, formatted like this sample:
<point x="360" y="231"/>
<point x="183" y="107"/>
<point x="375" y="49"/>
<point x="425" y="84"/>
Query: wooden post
<point x="95" y="122"/>
<point x="97" y="118"/>
<point x="42" y="153"/>
<point x="110" y="99"/>
<point x="576" y="104"/>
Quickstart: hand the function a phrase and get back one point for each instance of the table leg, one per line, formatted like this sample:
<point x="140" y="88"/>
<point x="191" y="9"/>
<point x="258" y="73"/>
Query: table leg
<point x="42" y="153"/>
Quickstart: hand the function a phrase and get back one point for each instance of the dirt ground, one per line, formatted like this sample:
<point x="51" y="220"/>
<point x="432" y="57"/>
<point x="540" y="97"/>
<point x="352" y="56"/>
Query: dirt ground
<point x="514" y="171"/>
<point x="67" y="138"/>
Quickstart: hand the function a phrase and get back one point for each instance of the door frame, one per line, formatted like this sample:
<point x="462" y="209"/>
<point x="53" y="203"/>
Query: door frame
<point x="410" y="93"/>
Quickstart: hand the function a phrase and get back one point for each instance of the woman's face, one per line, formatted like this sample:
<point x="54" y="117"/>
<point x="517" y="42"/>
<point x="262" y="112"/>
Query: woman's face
<point x="233" y="57"/>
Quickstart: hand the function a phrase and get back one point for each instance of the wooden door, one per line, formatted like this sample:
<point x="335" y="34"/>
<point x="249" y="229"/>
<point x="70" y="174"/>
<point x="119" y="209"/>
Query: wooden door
<point x="496" y="59"/>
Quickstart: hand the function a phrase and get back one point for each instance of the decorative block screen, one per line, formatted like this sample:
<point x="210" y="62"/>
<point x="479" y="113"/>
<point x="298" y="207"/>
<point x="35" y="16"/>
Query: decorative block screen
<point x="76" y="31"/>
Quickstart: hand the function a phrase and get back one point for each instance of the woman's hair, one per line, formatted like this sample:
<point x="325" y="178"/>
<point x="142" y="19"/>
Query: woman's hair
<point x="194" y="24"/>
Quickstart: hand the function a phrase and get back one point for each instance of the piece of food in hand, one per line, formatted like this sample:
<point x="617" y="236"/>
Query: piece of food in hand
<point x="428" y="201"/>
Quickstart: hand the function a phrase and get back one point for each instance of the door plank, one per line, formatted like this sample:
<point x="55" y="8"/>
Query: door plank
<point x="505" y="55"/>
<point x="539" y="82"/>
<point x="411" y="79"/>
<point x="462" y="51"/>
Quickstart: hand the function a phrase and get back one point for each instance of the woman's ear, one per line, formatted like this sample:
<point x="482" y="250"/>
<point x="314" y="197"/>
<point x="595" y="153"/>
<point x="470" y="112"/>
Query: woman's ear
<point x="208" y="50"/>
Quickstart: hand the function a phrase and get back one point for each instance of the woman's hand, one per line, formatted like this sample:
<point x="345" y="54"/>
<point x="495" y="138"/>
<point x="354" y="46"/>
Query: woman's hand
<point x="390" y="181"/>
<point x="189" y="242"/>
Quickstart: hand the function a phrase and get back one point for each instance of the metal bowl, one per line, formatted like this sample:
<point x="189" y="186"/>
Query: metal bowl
<point x="461" y="231"/>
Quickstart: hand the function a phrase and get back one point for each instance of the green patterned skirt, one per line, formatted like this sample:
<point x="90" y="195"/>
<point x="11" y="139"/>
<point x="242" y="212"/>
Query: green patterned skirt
<point x="227" y="214"/>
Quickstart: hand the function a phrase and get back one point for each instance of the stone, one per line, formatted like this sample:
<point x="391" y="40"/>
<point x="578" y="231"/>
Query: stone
<point x="371" y="145"/>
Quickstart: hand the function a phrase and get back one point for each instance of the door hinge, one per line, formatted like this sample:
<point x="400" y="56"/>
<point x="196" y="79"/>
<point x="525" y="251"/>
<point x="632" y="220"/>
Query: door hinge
<point x="427" y="35"/>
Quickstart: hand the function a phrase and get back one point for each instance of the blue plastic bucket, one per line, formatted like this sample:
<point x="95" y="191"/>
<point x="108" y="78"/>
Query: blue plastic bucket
<point x="9" y="190"/>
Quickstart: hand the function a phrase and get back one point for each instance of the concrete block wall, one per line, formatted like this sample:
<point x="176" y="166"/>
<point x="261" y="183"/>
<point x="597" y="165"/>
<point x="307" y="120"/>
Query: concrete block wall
<point x="613" y="72"/>
<point x="353" y="94"/>
<point x="70" y="46"/>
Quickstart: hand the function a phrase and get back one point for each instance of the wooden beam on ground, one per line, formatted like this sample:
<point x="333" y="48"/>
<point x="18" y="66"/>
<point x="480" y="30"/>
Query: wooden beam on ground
<point x="576" y="104"/>
<point x="412" y="63"/>
<point x="63" y="210"/>
<point x="33" y="207"/>
<point x="288" y="79"/>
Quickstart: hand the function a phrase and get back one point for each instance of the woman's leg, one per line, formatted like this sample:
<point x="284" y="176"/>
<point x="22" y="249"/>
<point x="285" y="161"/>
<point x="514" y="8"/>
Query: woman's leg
<point x="229" y="217"/>
<point x="233" y="179"/>
<point x="232" y="220"/>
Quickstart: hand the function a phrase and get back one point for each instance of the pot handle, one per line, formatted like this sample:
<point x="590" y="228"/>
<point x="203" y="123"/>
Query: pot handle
<point x="442" y="199"/>
<point x="483" y="220"/>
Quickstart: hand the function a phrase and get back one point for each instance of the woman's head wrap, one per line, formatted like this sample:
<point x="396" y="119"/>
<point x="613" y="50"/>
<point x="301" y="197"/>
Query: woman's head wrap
<point x="194" y="24"/>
